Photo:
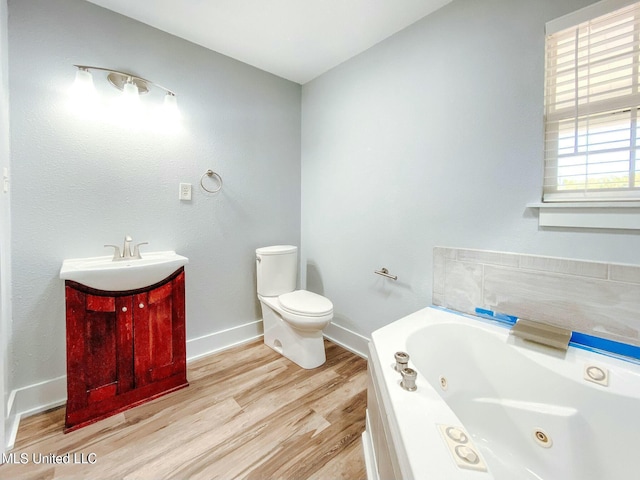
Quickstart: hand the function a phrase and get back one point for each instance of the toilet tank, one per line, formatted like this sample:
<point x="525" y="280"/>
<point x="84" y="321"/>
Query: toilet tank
<point x="276" y="269"/>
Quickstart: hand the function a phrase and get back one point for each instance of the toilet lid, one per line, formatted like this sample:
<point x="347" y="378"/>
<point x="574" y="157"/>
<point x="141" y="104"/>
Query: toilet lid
<point x="303" y="302"/>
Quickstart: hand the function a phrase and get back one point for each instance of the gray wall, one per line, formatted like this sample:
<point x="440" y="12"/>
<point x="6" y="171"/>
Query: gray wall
<point x="433" y="137"/>
<point x="80" y="184"/>
<point x="5" y="230"/>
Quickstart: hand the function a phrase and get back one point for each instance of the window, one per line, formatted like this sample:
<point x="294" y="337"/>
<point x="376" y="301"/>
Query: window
<point x="592" y="108"/>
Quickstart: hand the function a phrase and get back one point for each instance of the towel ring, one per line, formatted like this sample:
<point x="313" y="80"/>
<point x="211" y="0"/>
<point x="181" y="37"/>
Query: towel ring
<point x="211" y="173"/>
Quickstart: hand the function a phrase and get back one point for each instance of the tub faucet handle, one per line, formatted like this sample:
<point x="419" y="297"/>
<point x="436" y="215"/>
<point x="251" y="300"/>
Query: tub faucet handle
<point x="408" y="379"/>
<point x="402" y="360"/>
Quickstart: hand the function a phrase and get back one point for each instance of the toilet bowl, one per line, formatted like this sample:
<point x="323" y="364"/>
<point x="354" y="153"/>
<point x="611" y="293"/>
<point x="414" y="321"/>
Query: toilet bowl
<point x="293" y="319"/>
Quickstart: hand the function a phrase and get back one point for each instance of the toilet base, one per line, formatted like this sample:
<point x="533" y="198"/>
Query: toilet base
<point x="306" y="349"/>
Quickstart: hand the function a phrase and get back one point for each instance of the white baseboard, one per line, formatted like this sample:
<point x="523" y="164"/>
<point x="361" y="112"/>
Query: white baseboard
<point x="33" y="399"/>
<point x="352" y="341"/>
<point x="11" y="423"/>
<point x="39" y="397"/>
<point x="218" y="341"/>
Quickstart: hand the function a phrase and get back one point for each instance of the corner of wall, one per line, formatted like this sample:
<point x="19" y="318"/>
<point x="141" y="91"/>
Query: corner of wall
<point x="5" y="235"/>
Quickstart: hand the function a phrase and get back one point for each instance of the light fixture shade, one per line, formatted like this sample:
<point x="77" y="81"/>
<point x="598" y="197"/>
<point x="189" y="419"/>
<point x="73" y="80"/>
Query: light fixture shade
<point x="170" y="101"/>
<point x="169" y="115"/>
<point x="170" y="106"/>
<point x="83" y="84"/>
<point x="83" y="97"/>
<point x="129" y="110"/>
<point x="130" y="92"/>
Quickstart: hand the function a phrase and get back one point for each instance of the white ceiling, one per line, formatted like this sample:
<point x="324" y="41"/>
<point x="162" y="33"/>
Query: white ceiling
<point x="294" y="39"/>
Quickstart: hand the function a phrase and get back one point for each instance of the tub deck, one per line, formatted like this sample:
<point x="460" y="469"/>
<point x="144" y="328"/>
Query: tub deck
<point x="529" y="411"/>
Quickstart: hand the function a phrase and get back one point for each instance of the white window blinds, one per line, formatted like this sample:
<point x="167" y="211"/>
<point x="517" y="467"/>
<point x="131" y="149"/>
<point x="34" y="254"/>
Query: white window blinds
<point x="592" y="109"/>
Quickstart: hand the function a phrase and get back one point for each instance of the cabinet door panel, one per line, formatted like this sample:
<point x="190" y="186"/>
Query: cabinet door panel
<point x="91" y="348"/>
<point x="76" y="386"/>
<point x="125" y="311"/>
<point x="97" y="303"/>
<point x="103" y="392"/>
<point x="178" y="313"/>
<point x="159" y="332"/>
<point x="160" y="293"/>
<point x="141" y="341"/>
<point x="100" y="352"/>
<point x="161" y="329"/>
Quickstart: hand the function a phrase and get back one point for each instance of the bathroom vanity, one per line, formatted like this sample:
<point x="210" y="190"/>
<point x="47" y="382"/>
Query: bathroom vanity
<point x="124" y="347"/>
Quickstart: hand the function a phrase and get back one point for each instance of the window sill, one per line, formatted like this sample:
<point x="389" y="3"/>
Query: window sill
<point x="608" y="215"/>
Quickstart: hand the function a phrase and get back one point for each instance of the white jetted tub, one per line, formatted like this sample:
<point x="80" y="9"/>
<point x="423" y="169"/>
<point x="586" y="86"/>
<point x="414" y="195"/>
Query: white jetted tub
<point x="492" y="406"/>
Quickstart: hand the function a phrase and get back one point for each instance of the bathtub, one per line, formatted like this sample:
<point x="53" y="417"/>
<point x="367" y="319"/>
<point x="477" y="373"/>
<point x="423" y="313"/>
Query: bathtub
<point x="518" y="409"/>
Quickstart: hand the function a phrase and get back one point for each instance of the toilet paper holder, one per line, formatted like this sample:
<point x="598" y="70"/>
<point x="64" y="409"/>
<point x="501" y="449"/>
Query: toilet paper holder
<point x="385" y="273"/>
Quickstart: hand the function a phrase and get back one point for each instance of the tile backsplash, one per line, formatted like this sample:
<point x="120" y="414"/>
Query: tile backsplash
<point x="601" y="299"/>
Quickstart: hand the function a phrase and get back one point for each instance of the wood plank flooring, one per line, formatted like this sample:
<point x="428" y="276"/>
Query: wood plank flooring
<point x="248" y="413"/>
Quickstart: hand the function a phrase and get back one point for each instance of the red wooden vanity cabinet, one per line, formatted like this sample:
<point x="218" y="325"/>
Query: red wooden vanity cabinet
<point x="123" y="348"/>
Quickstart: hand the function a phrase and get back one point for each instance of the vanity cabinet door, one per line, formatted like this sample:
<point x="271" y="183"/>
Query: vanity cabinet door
<point x="92" y="327"/>
<point x="159" y="333"/>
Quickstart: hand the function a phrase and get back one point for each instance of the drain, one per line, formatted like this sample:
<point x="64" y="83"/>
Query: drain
<point x="542" y="438"/>
<point x="443" y="382"/>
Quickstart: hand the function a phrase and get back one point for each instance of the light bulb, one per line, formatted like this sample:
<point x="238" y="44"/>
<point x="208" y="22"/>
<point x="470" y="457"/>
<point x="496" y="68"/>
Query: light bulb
<point x="131" y="107"/>
<point x="83" y="96"/>
<point x="170" y="106"/>
<point x="84" y="82"/>
<point x="167" y="118"/>
<point x="130" y="93"/>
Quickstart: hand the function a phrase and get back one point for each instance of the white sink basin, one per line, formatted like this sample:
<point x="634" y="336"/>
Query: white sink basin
<point x="103" y="273"/>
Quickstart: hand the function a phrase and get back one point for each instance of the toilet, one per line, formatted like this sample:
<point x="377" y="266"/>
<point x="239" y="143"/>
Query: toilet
<point x="293" y="319"/>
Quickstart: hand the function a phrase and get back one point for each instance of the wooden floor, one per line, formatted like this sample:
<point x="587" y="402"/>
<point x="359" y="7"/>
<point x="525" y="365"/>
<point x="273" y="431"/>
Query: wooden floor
<point x="248" y="413"/>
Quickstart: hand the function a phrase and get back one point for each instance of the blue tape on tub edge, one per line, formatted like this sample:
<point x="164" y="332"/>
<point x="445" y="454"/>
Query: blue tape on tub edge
<point x="503" y="317"/>
<point x="578" y="340"/>
<point x="607" y="345"/>
<point x="597" y="351"/>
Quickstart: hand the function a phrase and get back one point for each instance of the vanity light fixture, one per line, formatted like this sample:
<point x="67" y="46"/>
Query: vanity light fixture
<point x="132" y="86"/>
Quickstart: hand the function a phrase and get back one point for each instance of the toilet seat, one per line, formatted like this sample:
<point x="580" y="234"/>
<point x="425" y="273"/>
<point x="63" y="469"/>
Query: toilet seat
<point x="305" y="303"/>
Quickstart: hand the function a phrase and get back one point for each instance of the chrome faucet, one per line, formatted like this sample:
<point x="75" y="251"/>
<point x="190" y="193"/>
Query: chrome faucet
<point x="126" y="249"/>
<point x="126" y="254"/>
